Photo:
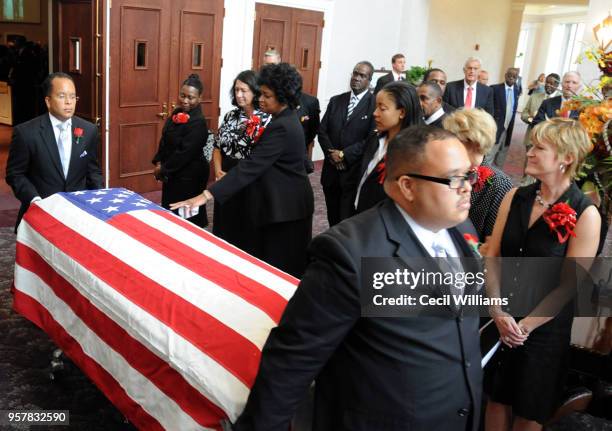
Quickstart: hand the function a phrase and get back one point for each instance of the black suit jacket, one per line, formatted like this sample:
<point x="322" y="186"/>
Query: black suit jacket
<point x="309" y="114"/>
<point x="453" y="95"/>
<point x="548" y="109"/>
<point x="409" y="373"/>
<point x="499" y="113"/>
<point x="34" y="167"/>
<point x="277" y="186"/>
<point x="336" y="132"/>
<point x="383" y="80"/>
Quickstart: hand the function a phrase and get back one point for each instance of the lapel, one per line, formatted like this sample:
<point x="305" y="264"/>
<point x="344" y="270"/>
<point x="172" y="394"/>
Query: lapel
<point x="481" y="99"/>
<point x="48" y="137"/>
<point x="343" y="101"/>
<point x="76" y="150"/>
<point x="516" y="97"/>
<point x="459" y="93"/>
<point x="358" y="110"/>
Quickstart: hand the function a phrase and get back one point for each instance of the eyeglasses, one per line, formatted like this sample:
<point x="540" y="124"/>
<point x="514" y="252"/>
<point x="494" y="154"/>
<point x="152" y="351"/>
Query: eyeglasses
<point x="63" y="97"/>
<point x="454" y="182"/>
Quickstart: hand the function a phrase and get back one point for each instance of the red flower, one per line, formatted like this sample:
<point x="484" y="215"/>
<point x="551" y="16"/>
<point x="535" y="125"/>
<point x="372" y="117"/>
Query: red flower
<point x="472" y="242"/>
<point x="484" y="177"/>
<point x="561" y="216"/>
<point x="180" y="118"/>
<point x="382" y="170"/>
<point x="254" y="128"/>
<point x="78" y="134"/>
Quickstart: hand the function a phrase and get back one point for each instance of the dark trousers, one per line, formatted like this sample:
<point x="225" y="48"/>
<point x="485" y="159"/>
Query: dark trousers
<point x="283" y="245"/>
<point x="339" y="203"/>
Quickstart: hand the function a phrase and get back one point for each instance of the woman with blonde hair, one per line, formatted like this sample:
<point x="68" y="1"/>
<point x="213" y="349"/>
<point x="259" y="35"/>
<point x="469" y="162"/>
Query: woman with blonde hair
<point x="550" y="218"/>
<point x="476" y="129"/>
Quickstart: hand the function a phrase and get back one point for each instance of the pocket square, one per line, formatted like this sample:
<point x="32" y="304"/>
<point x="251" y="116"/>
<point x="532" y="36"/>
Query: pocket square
<point x="83" y="154"/>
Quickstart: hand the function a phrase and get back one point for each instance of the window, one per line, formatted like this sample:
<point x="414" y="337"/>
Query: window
<point x="565" y="47"/>
<point x="197" y="55"/>
<point x="74" y="55"/>
<point x="140" y="54"/>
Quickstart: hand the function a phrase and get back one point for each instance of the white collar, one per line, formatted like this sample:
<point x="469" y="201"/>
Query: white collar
<point x="466" y="85"/>
<point x="360" y="95"/>
<point x="508" y="88"/>
<point x="56" y="122"/>
<point x="396" y="75"/>
<point x="433" y="117"/>
<point x="427" y="237"/>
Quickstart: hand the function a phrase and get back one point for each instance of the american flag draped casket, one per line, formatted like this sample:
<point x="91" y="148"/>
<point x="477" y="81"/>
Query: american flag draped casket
<point x="165" y="318"/>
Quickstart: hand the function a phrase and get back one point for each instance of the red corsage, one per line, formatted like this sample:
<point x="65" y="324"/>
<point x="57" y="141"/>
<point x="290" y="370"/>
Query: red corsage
<point x="485" y="174"/>
<point x="254" y="128"/>
<point x="180" y="118"/>
<point x="561" y="216"/>
<point x="472" y="242"/>
<point x="382" y="170"/>
<point x="78" y="134"/>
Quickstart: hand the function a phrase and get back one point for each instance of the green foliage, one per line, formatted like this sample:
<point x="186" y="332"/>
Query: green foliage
<point x="415" y="74"/>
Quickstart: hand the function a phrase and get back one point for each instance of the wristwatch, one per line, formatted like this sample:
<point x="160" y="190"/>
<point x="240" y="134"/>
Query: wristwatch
<point x="341" y="154"/>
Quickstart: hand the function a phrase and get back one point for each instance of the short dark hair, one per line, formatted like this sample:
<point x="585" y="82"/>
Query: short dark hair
<point x="555" y="76"/>
<point x="47" y="84"/>
<point x="433" y="87"/>
<point x="194" y="81"/>
<point x="397" y="56"/>
<point x="406" y="98"/>
<point x="249" y="77"/>
<point x="430" y="71"/>
<point x="408" y="147"/>
<point x="367" y="63"/>
<point x="284" y="80"/>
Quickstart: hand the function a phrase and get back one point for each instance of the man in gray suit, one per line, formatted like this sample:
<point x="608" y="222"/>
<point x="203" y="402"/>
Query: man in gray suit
<point x="379" y="373"/>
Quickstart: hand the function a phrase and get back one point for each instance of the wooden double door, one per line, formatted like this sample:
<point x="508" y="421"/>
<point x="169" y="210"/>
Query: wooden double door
<point x="154" y="46"/>
<point x="295" y="34"/>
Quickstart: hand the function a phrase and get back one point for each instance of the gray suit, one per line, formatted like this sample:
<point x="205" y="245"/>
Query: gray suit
<point x="406" y="373"/>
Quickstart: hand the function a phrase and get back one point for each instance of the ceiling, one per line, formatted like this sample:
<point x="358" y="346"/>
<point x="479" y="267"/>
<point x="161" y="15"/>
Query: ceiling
<point x="548" y="9"/>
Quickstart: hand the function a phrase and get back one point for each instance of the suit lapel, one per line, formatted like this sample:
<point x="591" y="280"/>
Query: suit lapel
<point x="74" y="152"/>
<point x="357" y="110"/>
<point x="48" y="137"/>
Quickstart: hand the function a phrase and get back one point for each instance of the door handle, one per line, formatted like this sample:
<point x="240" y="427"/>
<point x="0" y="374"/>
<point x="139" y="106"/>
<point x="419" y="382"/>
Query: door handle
<point x="164" y="113"/>
<point x="172" y="106"/>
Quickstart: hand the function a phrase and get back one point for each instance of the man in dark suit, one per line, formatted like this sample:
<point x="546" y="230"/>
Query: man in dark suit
<point x="309" y="113"/>
<point x="468" y="92"/>
<point x="347" y="123"/>
<point x="55" y="152"/>
<point x="379" y="373"/>
<point x="430" y="98"/>
<point x="438" y="76"/>
<point x="570" y="85"/>
<point x="398" y="63"/>
<point x="505" y="101"/>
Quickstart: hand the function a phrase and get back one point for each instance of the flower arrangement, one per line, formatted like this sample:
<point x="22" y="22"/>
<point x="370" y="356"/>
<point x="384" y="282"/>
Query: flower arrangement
<point x="595" y="107"/>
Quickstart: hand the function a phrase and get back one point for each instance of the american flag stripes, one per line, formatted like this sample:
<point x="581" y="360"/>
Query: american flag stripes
<point x="165" y="318"/>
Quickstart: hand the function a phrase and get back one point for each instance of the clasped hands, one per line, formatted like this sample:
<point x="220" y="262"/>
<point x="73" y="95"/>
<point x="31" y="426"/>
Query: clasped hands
<point x="194" y="202"/>
<point x="336" y="159"/>
<point x="511" y="333"/>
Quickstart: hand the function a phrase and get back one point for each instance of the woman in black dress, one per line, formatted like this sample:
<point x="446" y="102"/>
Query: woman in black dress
<point x="397" y="107"/>
<point x="476" y="129"/>
<point x="234" y="143"/>
<point x="279" y="200"/>
<point x="179" y="162"/>
<point x="526" y="376"/>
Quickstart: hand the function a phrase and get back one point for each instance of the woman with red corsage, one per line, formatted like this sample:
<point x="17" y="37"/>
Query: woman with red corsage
<point x="550" y="218"/>
<point x="397" y="107"/>
<point x="179" y="162"/>
<point x="476" y="129"/>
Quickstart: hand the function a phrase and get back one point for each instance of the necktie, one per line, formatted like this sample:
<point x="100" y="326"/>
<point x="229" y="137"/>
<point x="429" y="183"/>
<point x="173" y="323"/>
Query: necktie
<point x="400" y="78"/>
<point x="61" y="140"/>
<point x="351" y="106"/>
<point x="468" y="98"/>
<point x="509" y="107"/>
<point x="447" y="264"/>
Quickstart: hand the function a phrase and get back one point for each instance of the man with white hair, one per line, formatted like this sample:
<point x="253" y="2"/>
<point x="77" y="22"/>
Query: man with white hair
<point x="570" y="86"/>
<point x="468" y="92"/>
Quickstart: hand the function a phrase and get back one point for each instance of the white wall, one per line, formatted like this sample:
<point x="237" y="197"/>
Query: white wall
<point x="598" y="10"/>
<point x="413" y="31"/>
<point x="455" y="27"/>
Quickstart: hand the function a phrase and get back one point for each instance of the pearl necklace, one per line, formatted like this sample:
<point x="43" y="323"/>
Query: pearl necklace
<point x="541" y="201"/>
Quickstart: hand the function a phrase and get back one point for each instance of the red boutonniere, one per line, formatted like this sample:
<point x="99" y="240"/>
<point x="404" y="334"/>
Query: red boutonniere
<point x="78" y="134"/>
<point x="381" y="168"/>
<point x="485" y="174"/>
<point x="561" y="217"/>
<point x="472" y="242"/>
<point x="180" y="118"/>
<point x="254" y="128"/>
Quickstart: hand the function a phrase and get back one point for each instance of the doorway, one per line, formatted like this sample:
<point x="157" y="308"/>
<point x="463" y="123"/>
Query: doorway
<point x="154" y="46"/>
<point x="295" y="34"/>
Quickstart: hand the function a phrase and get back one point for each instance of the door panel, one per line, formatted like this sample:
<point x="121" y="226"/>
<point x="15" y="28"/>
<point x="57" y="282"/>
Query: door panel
<point x="156" y="44"/>
<point x="296" y="34"/>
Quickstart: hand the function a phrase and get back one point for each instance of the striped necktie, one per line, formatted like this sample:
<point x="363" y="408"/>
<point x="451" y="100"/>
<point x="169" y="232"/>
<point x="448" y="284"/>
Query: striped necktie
<point x="351" y="106"/>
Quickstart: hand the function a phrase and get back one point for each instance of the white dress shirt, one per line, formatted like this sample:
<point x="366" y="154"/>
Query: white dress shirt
<point x="428" y="238"/>
<point x="433" y="117"/>
<point x="465" y="92"/>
